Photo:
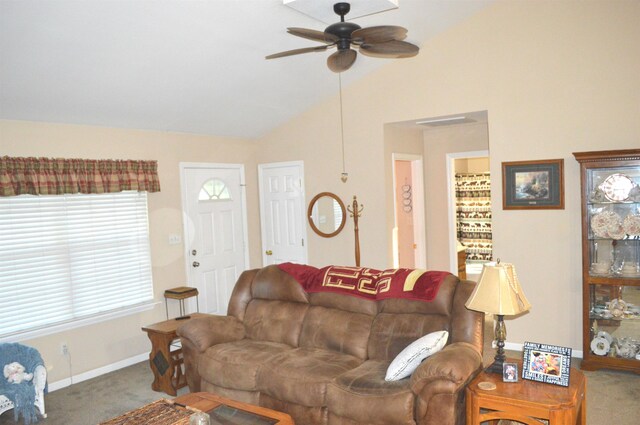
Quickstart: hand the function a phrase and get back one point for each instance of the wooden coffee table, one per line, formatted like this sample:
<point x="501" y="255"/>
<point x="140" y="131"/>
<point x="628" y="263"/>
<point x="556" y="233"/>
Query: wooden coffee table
<point x="239" y="412"/>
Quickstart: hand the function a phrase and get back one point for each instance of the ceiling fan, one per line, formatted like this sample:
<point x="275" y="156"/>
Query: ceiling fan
<point x="379" y="41"/>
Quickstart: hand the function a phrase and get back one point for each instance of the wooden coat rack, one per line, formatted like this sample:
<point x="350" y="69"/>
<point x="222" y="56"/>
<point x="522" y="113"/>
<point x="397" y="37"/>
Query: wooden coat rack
<point x="355" y="211"/>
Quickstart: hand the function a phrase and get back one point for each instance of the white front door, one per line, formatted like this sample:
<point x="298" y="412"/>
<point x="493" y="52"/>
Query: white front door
<point x="215" y="231"/>
<point x="282" y="212"/>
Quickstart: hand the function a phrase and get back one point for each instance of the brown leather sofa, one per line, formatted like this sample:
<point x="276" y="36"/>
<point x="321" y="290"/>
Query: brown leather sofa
<point x="322" y="357"/>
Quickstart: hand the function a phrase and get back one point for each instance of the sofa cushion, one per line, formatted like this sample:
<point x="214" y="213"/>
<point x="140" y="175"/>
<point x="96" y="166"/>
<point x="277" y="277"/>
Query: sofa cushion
<point x="271" y="283"/>
<point x="339" y="301"/>
<point x="235" y="364"/>
<point x="336" y="330"/>
<point x="410" y="358"/>
<point x="301" y="375"/>
<point x="392" y="333"/>
<point x="275" y="321"/>
<point x="363" y="396"/>
<point x="301" y="415"/>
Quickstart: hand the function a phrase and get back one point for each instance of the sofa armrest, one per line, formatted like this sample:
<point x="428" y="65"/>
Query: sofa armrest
<point x="456" y="363"/>
<point x="200" y="333"/>
<point x="439" y="383"/>
<point x="204" y="332"/>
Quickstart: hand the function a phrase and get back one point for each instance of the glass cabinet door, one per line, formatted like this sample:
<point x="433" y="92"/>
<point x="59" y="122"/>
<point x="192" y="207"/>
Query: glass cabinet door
<point x="611" y="259"/>
<point x="614" y="221"/>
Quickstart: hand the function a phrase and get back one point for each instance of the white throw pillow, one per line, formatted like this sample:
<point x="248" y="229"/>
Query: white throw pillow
<point x="410" y="358"/>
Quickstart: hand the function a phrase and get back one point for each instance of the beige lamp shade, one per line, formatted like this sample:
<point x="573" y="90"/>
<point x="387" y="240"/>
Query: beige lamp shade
<point x="498" y="291"/>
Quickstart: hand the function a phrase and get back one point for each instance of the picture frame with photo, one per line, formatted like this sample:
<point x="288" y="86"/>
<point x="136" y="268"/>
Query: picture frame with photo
<point x="546" y="363"/>
<point x="510" y="372"/>
<point x="533" y="184"/>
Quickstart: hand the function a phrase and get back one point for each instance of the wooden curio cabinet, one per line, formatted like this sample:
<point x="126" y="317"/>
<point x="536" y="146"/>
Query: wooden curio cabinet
<point x="610" y="182"/>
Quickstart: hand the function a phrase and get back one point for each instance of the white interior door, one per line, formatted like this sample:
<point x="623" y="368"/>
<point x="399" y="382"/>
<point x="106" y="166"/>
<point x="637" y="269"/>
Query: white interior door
<point x="282" y="212"/>
<point x="215" y="231"/>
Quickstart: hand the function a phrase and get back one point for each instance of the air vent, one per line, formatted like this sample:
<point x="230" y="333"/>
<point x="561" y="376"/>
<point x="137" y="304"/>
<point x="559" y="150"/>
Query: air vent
<point x="439" y="122"/>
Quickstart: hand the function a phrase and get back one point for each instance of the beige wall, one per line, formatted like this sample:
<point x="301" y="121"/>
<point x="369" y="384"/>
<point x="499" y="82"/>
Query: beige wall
<point x="99" y="345"/>
<point x="554" y="76"/>
<point x="437" y="144"/>
<point x="473" y="165"/>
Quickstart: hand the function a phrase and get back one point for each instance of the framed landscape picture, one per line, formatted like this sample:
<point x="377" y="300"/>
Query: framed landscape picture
<point x="533" y="184"/>
<point x="546" y="363"/>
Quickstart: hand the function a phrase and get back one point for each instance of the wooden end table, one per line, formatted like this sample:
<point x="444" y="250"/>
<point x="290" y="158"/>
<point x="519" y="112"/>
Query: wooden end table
<point x="208" y="401"/>
<point x="181" y="293"/>
<point x="166" y="364"/>
<point x="527" y="401"/>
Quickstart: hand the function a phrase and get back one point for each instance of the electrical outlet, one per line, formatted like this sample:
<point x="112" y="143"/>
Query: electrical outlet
<point x="64" y="349"/>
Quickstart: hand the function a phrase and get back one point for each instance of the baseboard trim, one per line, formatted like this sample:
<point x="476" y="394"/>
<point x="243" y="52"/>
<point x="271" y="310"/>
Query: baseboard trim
<point x="518" y="347"/>
<point x="53" y="386"/>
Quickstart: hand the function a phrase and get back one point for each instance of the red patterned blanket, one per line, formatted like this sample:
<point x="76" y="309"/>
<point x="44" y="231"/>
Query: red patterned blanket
<point x="414" y="284"/>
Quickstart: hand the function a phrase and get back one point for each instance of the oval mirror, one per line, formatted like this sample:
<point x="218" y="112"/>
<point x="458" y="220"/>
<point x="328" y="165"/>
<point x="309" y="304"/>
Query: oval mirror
<point x="327" y="214"/>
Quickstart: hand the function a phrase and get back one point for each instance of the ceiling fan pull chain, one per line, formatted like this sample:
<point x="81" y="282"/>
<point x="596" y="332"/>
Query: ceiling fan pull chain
<point x="344" y="172"/>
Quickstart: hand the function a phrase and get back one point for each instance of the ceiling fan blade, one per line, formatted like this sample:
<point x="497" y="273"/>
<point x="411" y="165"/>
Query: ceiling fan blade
<point x="298" y="51"/>
<point x="341" y="60"/>
<point x="390" y="49"/>
<point x="313" y="35"/>
<point x="379" y="34"/>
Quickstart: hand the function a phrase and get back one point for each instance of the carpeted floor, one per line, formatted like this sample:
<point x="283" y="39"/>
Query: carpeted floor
<point x="612" y="397"/>
<point x="98" y="399"/>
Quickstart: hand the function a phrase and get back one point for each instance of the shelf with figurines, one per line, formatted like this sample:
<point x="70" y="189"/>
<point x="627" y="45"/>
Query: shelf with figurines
<point x="604" y="344"/>
<point x="615" y="317"/>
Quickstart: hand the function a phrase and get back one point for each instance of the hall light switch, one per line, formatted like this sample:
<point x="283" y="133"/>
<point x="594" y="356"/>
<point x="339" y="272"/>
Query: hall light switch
<point x="174" y="239"/>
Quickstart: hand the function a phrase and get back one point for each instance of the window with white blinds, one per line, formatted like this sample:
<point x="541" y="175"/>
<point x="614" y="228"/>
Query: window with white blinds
<point x="65" y="258"/>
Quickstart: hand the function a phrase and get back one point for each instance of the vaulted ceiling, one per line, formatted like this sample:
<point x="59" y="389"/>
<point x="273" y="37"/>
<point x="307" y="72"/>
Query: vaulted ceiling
<point x="177" y="65"/>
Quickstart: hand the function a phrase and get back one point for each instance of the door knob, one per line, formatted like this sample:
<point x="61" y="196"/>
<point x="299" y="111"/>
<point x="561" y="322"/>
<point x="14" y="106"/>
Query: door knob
<point x="196" y="264"/>
<point x="268" y="252"/>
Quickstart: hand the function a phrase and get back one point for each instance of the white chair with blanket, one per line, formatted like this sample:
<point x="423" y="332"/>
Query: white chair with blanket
<point x="23" y="382"/>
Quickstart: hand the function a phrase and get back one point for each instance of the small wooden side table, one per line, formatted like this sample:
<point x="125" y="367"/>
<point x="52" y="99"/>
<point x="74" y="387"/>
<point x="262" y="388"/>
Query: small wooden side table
<point x="180" y="293"/>
<point x="166" y="364"/>
<point x="527" y="401"/>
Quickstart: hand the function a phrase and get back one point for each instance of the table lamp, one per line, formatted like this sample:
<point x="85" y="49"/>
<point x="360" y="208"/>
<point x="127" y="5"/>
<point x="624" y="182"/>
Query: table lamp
<point x="498" y="292"/>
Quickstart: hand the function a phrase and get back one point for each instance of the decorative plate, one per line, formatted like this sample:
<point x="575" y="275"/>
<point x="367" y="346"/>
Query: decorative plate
<point x="600" y="346"/>
<point x="631" y="225"/>
<point x="616" y="231"/>
<point x="602" y="222"/>
<point x="606" y="335"/>
<point x="617" y="186"/>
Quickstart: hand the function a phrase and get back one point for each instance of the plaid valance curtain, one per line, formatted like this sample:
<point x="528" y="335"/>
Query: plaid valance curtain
<point x="56" y="176"/>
